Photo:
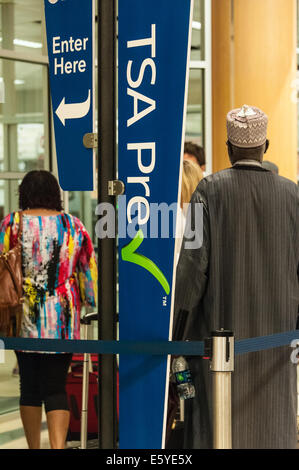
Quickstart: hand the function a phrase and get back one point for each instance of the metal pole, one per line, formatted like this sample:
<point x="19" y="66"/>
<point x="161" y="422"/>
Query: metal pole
<point x="85" y="321"/>
<point x="107" y="246"/>
<point x="222" y="365"/>
<point x="85" y="389"/>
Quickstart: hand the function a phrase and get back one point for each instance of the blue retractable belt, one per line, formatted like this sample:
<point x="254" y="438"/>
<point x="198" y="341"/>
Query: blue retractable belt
<point x="184" y="348"/>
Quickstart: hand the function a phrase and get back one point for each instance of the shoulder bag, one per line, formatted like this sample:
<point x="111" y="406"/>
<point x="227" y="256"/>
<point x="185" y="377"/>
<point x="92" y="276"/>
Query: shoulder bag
<point x="11" y="288"/>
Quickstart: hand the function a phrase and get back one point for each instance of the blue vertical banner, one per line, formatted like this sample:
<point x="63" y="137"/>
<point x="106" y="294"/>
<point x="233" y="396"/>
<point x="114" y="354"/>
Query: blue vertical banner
<point x="154" y="47"/>
<point x="70" y="39"/>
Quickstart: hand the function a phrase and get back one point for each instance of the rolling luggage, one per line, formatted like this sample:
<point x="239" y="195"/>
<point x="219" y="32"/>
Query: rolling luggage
<point x="82" y="392"/>
<point x="74" y="389"/>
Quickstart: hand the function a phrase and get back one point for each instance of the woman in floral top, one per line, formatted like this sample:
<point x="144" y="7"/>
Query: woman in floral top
<point x="60" y="274"/>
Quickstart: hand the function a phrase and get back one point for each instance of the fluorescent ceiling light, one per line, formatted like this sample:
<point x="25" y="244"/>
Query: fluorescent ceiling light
<point x="21" y="42"/>
<point x="196" y="25"/>
<point x="17" y="81"/>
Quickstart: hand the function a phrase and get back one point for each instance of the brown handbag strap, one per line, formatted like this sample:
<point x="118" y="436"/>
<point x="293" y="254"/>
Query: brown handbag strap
<point x="13" y="277"/>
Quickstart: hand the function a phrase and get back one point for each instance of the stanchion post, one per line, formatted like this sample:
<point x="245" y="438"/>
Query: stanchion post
<point x="222" y="366"/>
<point x="85" y="390"/>
<point x="107" y="246"/>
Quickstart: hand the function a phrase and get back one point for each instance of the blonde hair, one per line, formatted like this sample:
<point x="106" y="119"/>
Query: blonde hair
<point x="192" y="175"/>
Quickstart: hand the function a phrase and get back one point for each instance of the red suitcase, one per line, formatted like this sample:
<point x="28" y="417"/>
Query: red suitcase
<point x="74" y="392"/>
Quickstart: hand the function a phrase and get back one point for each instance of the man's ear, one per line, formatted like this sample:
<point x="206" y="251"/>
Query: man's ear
<point x="267" y="145"/>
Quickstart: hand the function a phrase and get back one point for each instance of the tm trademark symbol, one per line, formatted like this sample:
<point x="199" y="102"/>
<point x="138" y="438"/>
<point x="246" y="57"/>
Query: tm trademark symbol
<point x="164" y="301"/>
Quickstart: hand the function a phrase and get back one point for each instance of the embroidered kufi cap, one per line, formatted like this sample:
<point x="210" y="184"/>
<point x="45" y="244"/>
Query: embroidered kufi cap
<point x="247" y="127"/>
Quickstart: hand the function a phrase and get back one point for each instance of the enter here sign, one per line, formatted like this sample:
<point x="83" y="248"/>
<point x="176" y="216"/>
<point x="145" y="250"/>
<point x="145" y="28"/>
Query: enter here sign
<point x="70" y="38"/>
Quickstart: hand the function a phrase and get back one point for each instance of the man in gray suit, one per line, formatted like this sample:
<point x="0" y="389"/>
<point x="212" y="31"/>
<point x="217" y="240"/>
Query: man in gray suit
<point x="243" y="278"/>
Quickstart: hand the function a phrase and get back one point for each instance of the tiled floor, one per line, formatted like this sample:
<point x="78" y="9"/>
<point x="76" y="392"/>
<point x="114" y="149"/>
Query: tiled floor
<point x="12" y="434"/>
<point x="11" y="429"/>
<point x="9" y="385"/>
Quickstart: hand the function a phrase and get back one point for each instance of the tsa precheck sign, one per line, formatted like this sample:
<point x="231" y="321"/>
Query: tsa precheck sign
<point x="70" y="39"/>
<point x="152" y="99"/>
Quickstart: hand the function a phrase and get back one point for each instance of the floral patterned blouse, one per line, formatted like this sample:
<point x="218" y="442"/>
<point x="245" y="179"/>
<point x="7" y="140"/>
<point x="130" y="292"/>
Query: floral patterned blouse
<point x="59" y="269"/>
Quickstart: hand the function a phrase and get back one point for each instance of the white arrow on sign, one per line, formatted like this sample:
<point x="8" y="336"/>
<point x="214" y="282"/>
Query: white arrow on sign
<point x="72" y="110"/>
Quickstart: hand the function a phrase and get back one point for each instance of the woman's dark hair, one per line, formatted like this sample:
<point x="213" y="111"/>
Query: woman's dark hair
<point x="197" y="151"/>
<point x="40" y="190"/>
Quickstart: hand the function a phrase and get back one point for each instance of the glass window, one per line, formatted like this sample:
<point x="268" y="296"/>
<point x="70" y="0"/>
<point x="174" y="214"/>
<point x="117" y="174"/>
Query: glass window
<point x="2" y="200"/>
<point x="23" y="116"/>
<point x="1" y="148"/>
<point x="198" y="32"/>
<point x="31" y="147"/>
<point x="21" y="24"/>
<point x="82" y="204"/>
<point x="194" y="118"/>
<point x="9" y="197"/>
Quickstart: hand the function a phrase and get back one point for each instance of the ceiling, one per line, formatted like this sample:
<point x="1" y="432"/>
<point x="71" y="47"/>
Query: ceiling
<point x="28" y="19"/>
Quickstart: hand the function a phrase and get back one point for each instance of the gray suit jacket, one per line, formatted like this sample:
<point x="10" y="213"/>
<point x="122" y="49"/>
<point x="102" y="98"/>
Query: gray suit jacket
<point x="244" y="278"/>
